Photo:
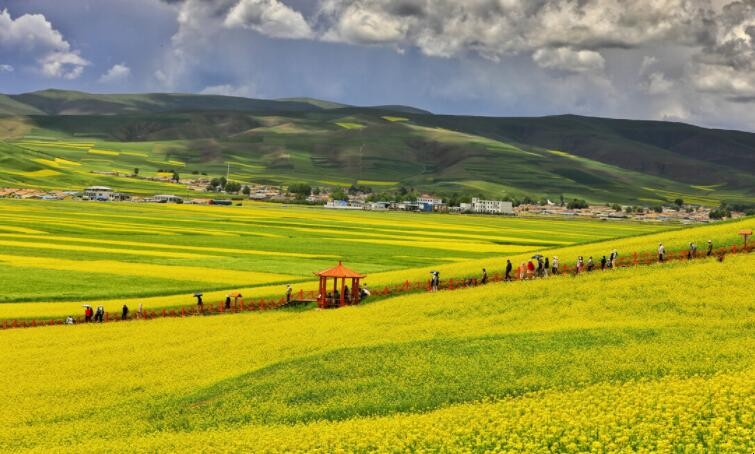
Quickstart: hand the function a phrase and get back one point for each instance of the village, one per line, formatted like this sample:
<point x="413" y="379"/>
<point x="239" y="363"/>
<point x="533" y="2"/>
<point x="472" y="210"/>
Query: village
<point x="424" y="203"/>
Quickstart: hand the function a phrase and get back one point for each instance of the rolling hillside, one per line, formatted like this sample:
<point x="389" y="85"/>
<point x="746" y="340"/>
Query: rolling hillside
<point x="330" y="144"/>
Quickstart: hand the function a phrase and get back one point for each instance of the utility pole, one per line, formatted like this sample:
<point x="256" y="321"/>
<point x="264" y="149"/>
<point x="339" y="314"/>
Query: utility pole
<point x="228" y="172"/>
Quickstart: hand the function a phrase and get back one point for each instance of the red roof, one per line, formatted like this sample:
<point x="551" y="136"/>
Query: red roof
<point x="340" y="271"/>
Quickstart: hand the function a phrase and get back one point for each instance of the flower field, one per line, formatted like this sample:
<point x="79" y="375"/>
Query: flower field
<point x="648" y="359"/>
<point x="57" y="255"/>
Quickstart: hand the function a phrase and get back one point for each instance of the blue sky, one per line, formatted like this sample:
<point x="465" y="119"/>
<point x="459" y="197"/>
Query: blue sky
<point x="681" y="60"/>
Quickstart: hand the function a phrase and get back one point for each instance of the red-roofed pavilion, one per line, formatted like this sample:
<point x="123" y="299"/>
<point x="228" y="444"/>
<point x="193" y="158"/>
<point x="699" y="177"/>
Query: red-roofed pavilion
<point x="339" y="297"/>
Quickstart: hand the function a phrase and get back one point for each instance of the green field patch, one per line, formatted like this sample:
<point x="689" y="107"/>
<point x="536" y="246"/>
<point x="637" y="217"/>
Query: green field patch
<point x="137" y="154"/>
<point x="346" y="125"/>
<point x="103" y="152"/>
<point x="377" y="183"/>
<point x="394" y="119"/>
<point x="708" y="188"/>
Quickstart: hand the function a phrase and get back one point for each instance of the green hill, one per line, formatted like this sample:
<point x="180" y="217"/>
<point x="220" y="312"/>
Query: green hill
<point x="328" y="144"/>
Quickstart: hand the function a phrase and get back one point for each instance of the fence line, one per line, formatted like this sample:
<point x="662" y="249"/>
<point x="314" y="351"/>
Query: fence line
<point x="457" y="283"/>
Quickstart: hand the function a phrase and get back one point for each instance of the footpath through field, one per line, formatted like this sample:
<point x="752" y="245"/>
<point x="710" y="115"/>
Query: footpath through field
<point x="450" y="284"/>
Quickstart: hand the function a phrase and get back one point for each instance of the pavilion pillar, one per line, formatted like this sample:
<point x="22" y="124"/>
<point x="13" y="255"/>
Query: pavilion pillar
<point x="343" y="291"/>
<point x="354" y="290"/>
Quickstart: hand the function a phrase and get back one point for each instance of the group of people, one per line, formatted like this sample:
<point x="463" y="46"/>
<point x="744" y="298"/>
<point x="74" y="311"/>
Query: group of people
<point x="544" y="267"/>
<point x="691" y="251"/>
<point x="540" y="268"/>
<point x="334" y="297"/>
<point x="98" y="315"/>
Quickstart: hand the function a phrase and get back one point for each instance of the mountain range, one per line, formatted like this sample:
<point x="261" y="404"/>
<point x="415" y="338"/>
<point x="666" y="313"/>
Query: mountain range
<point x="385" y="147"/>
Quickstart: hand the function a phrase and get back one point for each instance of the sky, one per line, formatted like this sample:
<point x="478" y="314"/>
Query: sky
<point x="677" y="60"/>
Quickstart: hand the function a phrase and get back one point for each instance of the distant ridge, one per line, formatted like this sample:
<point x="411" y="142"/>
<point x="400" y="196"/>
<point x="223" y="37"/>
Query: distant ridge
<point x="388" y="146"/>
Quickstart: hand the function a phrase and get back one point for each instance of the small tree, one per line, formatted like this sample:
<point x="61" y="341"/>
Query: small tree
<point x="678" y="202"/>
<point x="577" y="204"/>
<point x="338" y="194"/>
<point x="176" y="178"/>
<point x="300" y="189"/>
<point x="247" y="190"/>
<point x="136" y="171"/>
<point x="616" y="207"/>
<point x="232" y="187"/>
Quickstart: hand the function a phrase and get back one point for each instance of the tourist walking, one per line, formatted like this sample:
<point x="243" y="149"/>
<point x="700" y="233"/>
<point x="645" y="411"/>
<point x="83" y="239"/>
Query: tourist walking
<point x="434" y="281"/>
<point x="124" y="312"/>
<point x="522" y="271"/>
<point x="200" y="303"/>
<point x="289" y="292"/>
<point x="227" y="305"/>
<point x="614" y="258"/>
<point x="99" y="314"/>
<point x="88" y="312"/>
<point x="661" y="252"/>
<point x="603" y="263"/>
<point x="140" y="312"/>
<point x="554" y="267"/>
<point x="507" y="275"/>
<point x="710" y="248"/>
<point x="580" y="264"/>
<point x="546" y="267"/>
<point x="530" y="269"/>
<point x="590" y="264"/>
<point x="484" y="279"/>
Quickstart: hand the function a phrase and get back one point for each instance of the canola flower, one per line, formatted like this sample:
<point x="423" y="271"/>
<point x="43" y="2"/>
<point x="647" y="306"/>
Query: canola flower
<point x="632" y="360"/>
<point x="177" y="238"/>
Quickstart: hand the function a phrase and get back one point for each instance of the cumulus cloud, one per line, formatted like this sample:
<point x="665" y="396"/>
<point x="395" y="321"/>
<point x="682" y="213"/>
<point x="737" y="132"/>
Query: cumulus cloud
<point x="33" y="36"/>
<point x="494" y="29"/>
<point x="269" y="17"/>
<point x="117" y="73"/>
<point x="568" y="59"/>
<point x="727" y="66"/>
<point x="6" y="69"/>
<point x="690" y="59"/>
<point x="66" y="65"/>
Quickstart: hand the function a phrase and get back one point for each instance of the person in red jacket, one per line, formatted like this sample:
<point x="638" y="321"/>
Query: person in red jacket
<point x="530" y="269"/>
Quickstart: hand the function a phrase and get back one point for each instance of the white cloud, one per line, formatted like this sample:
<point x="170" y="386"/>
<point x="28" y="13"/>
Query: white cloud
<point x="269" y="17"/>
<point x="567" y="59"/>
<point x="245" y="91"/>
<point x="6" y="69"/>
<point x="33" y="36"/>
<point x="365" y="26"/>
<point x="118" y="73"/>
<point x="67" y="65"/>
<point x="725" y="80"/>
<point x="657" y="84"/>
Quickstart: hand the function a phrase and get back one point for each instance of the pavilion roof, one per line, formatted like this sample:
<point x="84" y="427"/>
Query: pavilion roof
<point x="340" y="271"/>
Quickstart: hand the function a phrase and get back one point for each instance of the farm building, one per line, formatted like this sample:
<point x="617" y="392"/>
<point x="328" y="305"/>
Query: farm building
<point x="98" y="193"/>
<point x="490" y="206"/>
<point x="165" y="198"/>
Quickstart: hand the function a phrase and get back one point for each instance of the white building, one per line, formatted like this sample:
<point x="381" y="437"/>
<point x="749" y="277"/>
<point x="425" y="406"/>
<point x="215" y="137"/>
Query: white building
<point x="344" y="205"/>
<point x="165" y="198"/>
<point x="98" y="193"/>
<point x="491" y="206"/>
<point x="429" y="200"/>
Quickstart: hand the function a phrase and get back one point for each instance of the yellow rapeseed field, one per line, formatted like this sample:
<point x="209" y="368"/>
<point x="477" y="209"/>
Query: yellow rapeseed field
<point x="648" y="359"/>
